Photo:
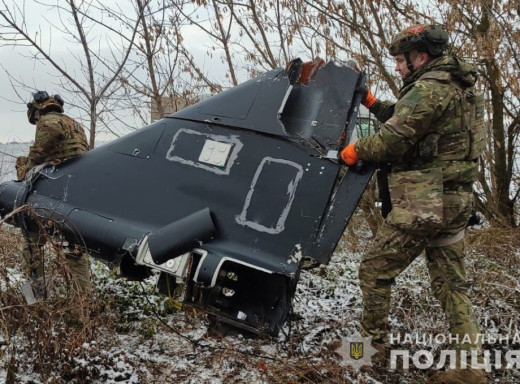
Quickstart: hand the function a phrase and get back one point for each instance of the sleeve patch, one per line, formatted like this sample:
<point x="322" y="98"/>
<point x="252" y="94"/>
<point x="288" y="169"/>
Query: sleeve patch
<point x="405" y="108"/>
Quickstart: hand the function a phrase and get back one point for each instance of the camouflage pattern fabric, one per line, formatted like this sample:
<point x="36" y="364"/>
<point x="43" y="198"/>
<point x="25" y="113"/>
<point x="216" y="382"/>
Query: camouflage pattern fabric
<point x="433" y="124"/>
<point x="33" y="254"/>
<point x="79" y="266"/>
<point x="416" y="198"/>
<point x="431" y="136"/>
<point x="394" y="250"/>
<point x="58" y="138"/>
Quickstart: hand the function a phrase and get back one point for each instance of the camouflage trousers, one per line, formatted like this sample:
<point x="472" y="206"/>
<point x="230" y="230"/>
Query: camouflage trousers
<point x="394" y="249"/>
<point x="78" y="265"/>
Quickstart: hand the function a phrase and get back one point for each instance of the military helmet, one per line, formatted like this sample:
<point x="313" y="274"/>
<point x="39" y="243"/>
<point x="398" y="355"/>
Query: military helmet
<point x="432" y="39"/>
<point x="43" y="103"/>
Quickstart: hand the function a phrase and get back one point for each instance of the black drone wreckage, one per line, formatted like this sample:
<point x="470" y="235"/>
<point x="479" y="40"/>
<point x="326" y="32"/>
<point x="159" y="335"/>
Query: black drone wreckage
<point x="225" y="197"/>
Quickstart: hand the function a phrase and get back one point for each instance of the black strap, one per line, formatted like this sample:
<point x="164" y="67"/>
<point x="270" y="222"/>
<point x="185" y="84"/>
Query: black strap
<point x="409" y="64"/>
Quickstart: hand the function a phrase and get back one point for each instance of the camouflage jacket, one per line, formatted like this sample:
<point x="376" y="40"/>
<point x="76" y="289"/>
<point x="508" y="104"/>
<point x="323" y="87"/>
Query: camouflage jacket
<point x="436" y="123"/>
<point x="58" y="138"/>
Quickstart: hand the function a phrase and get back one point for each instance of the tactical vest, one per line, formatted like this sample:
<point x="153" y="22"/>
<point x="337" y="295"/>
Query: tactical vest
<point x="74" y="142"/>
<point x="460" y="131"/>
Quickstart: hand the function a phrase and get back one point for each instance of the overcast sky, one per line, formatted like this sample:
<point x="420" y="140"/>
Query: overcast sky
<point x="13" y="111"/>
<point x="14" y="125"/>
<point x="18" y="63"/>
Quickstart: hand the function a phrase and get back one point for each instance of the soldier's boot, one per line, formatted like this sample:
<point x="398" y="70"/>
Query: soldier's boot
<point x="459" y="376"/>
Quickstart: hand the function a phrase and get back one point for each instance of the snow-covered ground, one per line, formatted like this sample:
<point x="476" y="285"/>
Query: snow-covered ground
<point x="131" y="338"/>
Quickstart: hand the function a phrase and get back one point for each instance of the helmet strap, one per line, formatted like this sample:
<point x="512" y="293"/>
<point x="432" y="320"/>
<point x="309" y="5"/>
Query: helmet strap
<point x="409" y="64"/>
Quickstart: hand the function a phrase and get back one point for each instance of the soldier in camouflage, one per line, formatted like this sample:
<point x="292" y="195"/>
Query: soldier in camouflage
<point x="432" y="136"/>
<point x="58" y="139"/>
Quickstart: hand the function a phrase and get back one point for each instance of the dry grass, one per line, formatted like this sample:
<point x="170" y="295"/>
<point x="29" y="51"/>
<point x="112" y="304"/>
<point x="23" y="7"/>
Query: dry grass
<point x="46" y="335"/>
<point x="43" y="339"/>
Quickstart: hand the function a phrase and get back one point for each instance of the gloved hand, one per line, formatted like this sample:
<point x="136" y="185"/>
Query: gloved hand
<point x="21" y="169"/>
<point x="367" y="99"/>
<point x="349" y="155"/>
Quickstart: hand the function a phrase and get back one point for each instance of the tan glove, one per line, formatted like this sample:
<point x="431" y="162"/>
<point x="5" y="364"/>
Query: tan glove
<point x="21" y="170"/>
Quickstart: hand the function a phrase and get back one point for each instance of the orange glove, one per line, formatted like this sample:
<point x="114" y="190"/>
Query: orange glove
<point x="349" y="155"/>
<point x="369" y="99"/>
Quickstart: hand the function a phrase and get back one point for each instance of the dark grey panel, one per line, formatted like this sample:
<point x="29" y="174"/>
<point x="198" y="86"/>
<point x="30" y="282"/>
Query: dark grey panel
<point x="245" y="105"/>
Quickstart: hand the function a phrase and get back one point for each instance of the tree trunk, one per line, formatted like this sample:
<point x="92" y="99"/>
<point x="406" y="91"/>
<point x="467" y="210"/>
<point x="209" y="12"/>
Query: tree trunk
<point x="504" y="205"/>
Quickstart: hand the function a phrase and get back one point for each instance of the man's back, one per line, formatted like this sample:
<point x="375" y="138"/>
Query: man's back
<point x="58" y="138"/>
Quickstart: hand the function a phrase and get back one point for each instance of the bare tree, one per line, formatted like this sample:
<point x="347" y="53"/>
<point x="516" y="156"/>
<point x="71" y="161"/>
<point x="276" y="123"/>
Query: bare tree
<point x="92" y="75"/>
<point x="488" y="32"/>
<point x="249" y="37"/>
<point x="213" y="20"/>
